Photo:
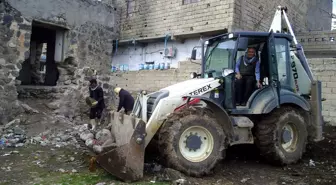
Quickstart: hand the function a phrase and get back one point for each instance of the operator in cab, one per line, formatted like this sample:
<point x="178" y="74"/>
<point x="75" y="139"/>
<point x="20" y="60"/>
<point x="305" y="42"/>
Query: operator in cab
<point x="247" y="76"/>
<point x="126" y="100"/>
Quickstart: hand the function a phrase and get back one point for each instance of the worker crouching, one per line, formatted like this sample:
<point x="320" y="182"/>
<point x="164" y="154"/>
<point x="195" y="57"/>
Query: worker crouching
<point x="96" y="102"/>
<point x="126" y="100"/>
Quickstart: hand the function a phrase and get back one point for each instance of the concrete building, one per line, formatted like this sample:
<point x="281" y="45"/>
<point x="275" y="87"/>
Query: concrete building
<point x="319" y="14"/>
<point x="148" y="27"/>
<point x="333" y="24"/>
<point x="77" y="33"/>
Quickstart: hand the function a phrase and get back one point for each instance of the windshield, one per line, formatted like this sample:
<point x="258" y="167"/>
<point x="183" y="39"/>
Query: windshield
<point x="218" y="55"/>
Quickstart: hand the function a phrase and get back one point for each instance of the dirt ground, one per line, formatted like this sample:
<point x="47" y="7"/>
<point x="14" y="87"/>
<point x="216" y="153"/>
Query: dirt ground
<point x="48" y="165"/>
<point x="36" y="164"/>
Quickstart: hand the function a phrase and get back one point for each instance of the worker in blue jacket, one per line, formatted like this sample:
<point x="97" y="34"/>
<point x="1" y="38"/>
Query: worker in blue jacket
<point x="126" y="100"/>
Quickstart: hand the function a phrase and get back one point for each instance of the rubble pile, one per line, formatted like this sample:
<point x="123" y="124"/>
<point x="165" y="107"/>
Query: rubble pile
<point x="11" y="135"/>
<point x="60" y="139"/>
<point x="14" y="135"/>
<point x="96" y="141"/>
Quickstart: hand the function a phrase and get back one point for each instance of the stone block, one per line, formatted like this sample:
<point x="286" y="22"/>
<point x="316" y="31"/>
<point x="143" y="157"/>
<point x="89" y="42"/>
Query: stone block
<point x="331" y="84"/>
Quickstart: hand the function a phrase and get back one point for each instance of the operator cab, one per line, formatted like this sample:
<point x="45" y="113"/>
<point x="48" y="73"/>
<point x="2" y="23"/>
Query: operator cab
<point x="272" y="50"/>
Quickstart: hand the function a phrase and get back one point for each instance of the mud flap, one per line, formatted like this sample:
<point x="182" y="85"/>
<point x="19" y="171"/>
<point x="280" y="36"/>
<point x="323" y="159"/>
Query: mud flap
<point x="126" y="161"/>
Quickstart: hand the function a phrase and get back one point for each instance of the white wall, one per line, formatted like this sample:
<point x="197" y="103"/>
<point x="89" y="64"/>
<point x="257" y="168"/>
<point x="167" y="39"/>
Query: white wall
<point x="135" y="55"/>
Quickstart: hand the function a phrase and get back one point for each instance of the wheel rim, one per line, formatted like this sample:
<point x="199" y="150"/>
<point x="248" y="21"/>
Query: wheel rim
<point x="196" y="144"/>
<point x="289" y="137"/>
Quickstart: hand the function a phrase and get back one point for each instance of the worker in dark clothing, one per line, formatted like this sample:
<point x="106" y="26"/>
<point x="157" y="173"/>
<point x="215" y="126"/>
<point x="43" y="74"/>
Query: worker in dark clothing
<point x="126" y="100"/>
<point x="247" y="76"/>
<point x="96" y="93"/>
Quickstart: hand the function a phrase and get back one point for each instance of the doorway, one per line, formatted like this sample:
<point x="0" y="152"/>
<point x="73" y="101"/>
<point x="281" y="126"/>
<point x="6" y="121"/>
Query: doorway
<point x="46" y="50"/>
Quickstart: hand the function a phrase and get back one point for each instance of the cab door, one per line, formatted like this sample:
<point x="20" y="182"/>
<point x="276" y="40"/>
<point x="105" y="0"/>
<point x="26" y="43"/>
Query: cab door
<point x="273" y="68"/>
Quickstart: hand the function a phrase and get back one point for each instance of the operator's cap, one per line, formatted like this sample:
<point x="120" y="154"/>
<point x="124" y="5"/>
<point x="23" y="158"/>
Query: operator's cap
<point x="117" y="90"/>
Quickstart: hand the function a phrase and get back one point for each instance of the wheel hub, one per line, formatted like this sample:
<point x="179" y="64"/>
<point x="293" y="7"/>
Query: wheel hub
<point x="286" y="136"/>
<point x="196" y="143"/>
<point x="193" y="142"/>
<point x="289" y="137"/>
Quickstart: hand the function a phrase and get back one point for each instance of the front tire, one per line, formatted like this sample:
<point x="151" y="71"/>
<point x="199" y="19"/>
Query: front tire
<point x="282" y="136"/>
<point x="191" y="141"/>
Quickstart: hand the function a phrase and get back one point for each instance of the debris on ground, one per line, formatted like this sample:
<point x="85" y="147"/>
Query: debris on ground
<point x="244" y="180"/>
<point x="55" y="150"/>
<point x="311" y="162"/>
<point x="12" y="135"/>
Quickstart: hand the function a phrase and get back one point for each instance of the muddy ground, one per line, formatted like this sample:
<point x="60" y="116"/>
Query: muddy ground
<point x="36" y="164"/>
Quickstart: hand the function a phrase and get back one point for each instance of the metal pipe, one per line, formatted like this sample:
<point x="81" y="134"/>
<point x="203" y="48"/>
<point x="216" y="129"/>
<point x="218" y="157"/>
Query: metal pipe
<point x="203" y="61"/>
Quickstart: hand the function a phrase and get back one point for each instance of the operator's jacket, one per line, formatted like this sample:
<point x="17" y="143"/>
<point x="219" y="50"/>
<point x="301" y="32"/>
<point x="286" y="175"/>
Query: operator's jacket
<point x="126" y="101"/>
<point x="98" y="95"/>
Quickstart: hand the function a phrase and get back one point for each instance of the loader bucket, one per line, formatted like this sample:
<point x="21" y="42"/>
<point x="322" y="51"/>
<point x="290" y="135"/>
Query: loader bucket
<point x="126" y="160"/>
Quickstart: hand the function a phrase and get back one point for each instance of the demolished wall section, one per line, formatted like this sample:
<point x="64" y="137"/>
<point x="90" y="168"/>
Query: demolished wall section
<point x="92" y="27"/>
<point x="91" y="24"/>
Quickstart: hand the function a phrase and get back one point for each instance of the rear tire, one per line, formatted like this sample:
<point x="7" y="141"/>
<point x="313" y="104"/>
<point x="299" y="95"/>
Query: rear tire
<point x="192" y="142"/>
<point x="282" y="136"/>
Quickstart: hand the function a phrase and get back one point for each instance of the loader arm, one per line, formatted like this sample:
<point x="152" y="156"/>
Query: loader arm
<point x="278" y="27"/>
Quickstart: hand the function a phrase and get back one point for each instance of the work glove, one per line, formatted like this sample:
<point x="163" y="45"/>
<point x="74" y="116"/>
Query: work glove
<point x="91" y="102"/>
<point x="94" y="104"/>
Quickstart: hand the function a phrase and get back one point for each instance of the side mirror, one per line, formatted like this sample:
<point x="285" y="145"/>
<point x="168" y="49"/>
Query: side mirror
<point x="227" y="72"/>
<point x="193" y="54"/>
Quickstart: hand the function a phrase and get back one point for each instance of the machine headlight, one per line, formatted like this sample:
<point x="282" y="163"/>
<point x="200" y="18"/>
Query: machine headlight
<point x="227" y="72"/>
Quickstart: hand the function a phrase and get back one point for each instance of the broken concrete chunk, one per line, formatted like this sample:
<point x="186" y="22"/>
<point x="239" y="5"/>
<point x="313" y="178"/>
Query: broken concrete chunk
<point x="98" y="149"/>
<point x="18" y="131"/>
<point x="89" y="142"/>
<point x="102" y="136"/>
<point x="61" y="170"/>
<point x="19" y="145"/>
<point x="54" y="105"/>
<point x="12" y="123"/>
<point x="28" y="109"/>
<point x="86" y="135"/>
<point x="101" y="183"/>
<point x="171" y="174"/>
<point x="37" y="139"/>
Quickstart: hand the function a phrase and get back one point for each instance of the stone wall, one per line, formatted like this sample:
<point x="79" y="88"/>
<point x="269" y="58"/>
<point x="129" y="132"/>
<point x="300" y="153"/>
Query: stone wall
<point x="91" y="26"/>
<point x="148" y="18"/>
<point x="14" y="36"/>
